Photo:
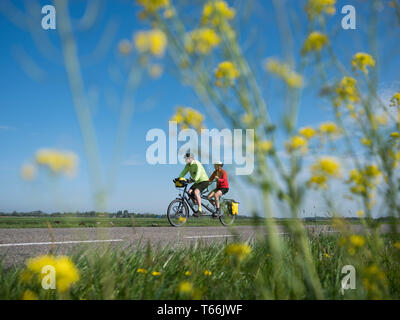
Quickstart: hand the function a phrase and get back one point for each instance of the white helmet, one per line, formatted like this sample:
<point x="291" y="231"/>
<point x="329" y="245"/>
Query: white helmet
<point x="219" y="163"/>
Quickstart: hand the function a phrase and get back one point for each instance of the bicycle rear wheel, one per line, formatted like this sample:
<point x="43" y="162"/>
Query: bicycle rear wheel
<point x="177" y="213"/>
<point x="226" y="217"/>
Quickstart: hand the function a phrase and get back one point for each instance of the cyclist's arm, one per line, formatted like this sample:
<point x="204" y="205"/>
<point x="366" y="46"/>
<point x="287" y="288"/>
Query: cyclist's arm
<point x="224" y="178"/>
<point x="212" y="176"/>
<point x="184" y="171"/>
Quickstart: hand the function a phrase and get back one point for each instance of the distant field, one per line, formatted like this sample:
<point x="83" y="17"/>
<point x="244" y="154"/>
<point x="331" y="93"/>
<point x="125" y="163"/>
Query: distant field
<point x="106" y="222"/>
<point x="84" y="222"/>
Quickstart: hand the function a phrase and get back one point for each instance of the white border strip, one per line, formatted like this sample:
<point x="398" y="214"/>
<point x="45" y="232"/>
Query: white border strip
<point x="58" y="242"/>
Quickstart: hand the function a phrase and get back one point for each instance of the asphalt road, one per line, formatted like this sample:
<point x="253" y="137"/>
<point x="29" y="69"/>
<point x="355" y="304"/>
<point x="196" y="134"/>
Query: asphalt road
<point x="16" y="245"/>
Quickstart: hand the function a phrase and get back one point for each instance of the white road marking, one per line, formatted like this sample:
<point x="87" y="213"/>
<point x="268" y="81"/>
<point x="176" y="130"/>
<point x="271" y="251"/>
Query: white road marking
<point x="216" y="236"/>
<point x="57" y="242"/>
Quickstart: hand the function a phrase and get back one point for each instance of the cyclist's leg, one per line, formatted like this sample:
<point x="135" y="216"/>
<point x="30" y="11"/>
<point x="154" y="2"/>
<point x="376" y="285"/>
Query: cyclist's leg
<point x="211" y="194"/>
<point x="192" y="194"/>
<point x="197" y="194"/>
<point x="218" y="194"/>
<point x="198" y="188"/>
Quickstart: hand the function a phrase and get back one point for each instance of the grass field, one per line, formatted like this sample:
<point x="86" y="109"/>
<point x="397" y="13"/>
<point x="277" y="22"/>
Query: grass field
<point x="84" y="222"/>
<point x="220" y="271"/>
<point x="106" y="222"/>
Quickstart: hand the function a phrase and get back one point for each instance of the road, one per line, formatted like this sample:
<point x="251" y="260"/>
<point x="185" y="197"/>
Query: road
<point x="16" y="245"/>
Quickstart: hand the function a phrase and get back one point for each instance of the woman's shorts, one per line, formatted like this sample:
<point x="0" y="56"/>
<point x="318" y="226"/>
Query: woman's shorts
<point x="200" y="185"/>
<point x="223" y="190"/>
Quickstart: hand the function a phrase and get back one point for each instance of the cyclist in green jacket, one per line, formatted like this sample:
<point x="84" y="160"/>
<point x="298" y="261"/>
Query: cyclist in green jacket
<point x="198" y="175"/>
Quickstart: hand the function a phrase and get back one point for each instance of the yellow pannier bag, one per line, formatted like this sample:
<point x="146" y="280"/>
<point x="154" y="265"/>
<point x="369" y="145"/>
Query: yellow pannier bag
<point x="235" y="208"/>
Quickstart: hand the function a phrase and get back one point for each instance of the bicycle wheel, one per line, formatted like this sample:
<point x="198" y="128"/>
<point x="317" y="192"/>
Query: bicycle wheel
<point x="177" y="213"/>
<point x="226" y="217"/>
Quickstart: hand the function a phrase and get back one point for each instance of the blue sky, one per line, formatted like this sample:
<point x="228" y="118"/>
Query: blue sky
<point x="37" y="112"/>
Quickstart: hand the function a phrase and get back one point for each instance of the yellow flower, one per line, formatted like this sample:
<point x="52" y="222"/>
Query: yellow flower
<point x="28" y="172"/>
<point x="395" y="100"/>
<point x="36" y="264"/>
<point x="360" y="213"/>
<point x="207" y="273"/>
<point x="322" y="169"/>
<point x="188" y="118"/>
<point x="329" y="129"/>
<point x="357" y="241"/>
<point x="185" y="287"/>
<point x="379" y="120"/>
<point x="265" y="146"/>
<point x="29" y="295"/>
<point x="372" y="170"/>
<point x="66" y="272"/>
<point x="296" y="143"/>
<point x="227" y="72"/>
<point x="238" y="250"/>
<point x="153" y="42"/>
<point x="282" y="70"/>
<point x="141" y="270"/>
<point x="397" y="245"/>
<point x="247" y="118"/>
<point x="182" y="219"/>
<point x="307" y="132"/>
<point x="201" y="40"/>
<point x="327" y="255"/>
<point x="372" y="269"/>
<point x="315" y="42"/>
<point x="318" y="181"/>
<point x="361" y="61"/>
<point x="327" y="166"/>
<point x="156" y="273"/>
<point x="395" y="134"/>
<point x="188" y="273"/>
<point x="153" y="5"/>
<point x="347" y="90"/>
<point x="364" y="179"/>
<point x="317" y="7"/>
<point x="57" y="161"/>
<point x="169" y="13"/>
<point x="217" y="13"/>
<point x="365" y="141"/>
<point x="124" y="47"/>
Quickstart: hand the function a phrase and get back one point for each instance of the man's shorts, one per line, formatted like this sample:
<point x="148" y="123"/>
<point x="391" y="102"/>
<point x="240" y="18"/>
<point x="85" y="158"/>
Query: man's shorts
<point x="200" y="185"/>
<point x="223" y="190"/>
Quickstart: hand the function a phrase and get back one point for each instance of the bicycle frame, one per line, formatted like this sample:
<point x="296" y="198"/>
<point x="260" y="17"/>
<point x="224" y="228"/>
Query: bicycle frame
<point x="186" y="196"/>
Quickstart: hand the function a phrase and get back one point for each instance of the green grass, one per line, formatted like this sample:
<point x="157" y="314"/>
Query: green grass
<point x="106" y="222"/>
<point x="112" y="274"/>
<point x="84" y="222"/>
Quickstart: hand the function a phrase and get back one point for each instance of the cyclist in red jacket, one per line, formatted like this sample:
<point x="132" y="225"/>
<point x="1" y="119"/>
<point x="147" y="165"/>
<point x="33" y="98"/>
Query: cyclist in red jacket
<point x="222" y="185"/>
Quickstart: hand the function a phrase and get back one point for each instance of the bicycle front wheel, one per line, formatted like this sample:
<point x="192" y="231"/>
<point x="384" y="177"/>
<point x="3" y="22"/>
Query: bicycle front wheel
<point x="177" y="213"/>
<point x="226" y="217"/>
